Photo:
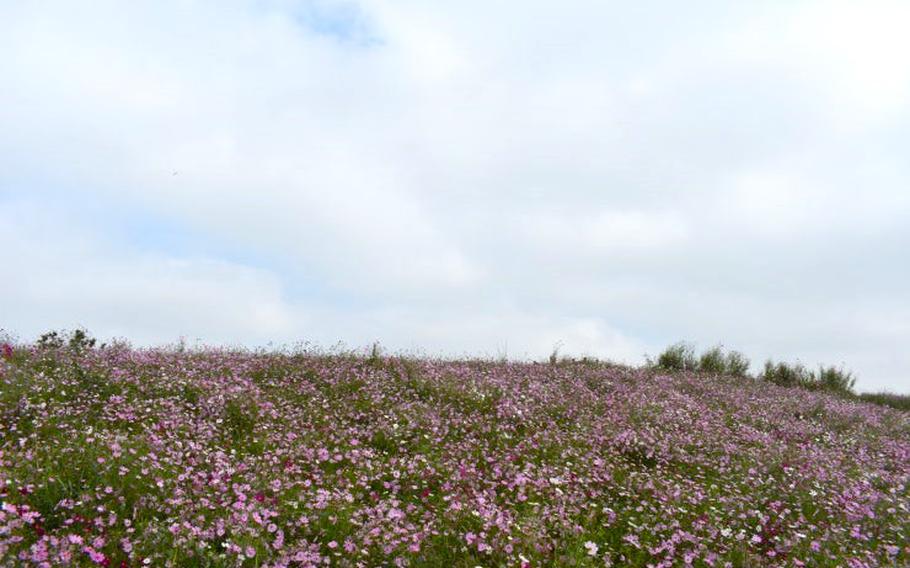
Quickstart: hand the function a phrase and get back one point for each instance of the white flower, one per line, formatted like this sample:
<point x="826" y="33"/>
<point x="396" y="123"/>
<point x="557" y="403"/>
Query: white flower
<point x="592" y="548"/>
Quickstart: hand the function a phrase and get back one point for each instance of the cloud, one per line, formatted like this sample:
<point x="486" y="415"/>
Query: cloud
<point x="62" y="275"/>
<point x="460" y="176"/>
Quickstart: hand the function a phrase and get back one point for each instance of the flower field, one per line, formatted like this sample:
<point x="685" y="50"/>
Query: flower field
<point x="123" y="457"/>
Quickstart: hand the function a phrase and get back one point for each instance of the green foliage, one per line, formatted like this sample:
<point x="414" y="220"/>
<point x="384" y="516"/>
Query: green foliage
<point x="78" y="341"/>
<point x="678" y="357"/>
<point x="681" y="357"/>
<point x="50" y="340"/>
<point x="835" y="379"/>
<point x="375" y="359"/>
<point x="240" y="418"/>
<point x="737" y="364"/>
<point x="830" y="379"/>
<point x="713" y="361"/>
<point x="898" y="401"/>
<point x="383" y="443"/>
<point x="787" y="374"/>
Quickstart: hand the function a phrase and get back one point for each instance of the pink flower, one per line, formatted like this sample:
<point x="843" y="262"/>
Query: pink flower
<point x="126" y="545"/>
<point x="7" y="351"/>
<point x="97" y="557"/>
<point x="279" y="540"/>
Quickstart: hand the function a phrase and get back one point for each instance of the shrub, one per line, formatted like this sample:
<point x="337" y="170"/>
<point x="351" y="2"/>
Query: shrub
<point x="898" y="401"/>
<point x="737" y="364"/>
<point x="836" y="380"/>
<point x="830" y="379"/>
<point x="678" y="357"/>
<point x="77" y="341"/>
<point x="713" y="361"/>
<point x="80" y="341"/>
<point x="50" y="340"/>
<point x="681" y="357"/>
<point x="788" y="375"/>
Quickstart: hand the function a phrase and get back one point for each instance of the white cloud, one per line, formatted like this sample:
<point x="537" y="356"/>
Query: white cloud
<point x="604" y="233"/>
<point x="64" y="276"/>
<point x="458" y="175"/>
<point x="850" y="53"/>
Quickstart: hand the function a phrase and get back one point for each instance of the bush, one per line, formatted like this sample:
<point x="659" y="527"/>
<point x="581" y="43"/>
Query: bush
<point x="50" y="340"/>
<point x="737" y="364"/>
<point x="681" y="357"/>
<point x="678" y="357"/>
<point x="836" y="380"/>
<point x="713" y="361"/>
<point x="830" y="379"/>
<point x="78" y="340"/>
<point x="898" y="401"/>
<point x="788" y="375"/>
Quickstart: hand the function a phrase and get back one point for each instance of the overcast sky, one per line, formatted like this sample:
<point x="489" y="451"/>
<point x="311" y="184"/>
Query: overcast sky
<point x="462" y="177"/>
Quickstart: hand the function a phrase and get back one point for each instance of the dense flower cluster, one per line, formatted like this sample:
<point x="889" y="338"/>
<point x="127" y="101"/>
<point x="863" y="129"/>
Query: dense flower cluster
<point x="121" y="457"/>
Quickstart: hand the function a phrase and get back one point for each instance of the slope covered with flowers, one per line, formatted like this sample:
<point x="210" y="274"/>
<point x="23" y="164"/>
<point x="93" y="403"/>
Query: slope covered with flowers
<point x="121" y="457"/>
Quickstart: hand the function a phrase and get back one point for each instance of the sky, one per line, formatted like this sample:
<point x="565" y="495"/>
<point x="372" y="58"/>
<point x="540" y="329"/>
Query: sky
<point x="462" y="178"/>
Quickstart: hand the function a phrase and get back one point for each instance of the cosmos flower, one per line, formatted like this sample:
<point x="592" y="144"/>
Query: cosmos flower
<point x="305" y="461"/>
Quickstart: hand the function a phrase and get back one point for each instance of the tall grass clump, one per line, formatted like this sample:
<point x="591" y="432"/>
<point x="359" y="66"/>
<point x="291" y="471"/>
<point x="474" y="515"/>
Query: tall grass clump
<point x="737" y="364"/>
<point x="831" y="379"/>
<point x="787" y="374"/>
<point x="713" y="361"/>
<point x="681" y="357"/>
<point x="835" y="379"/>
<point x="678" y="357"/>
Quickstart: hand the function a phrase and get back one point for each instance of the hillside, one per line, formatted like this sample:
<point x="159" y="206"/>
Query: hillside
<point x="124" y="457"/>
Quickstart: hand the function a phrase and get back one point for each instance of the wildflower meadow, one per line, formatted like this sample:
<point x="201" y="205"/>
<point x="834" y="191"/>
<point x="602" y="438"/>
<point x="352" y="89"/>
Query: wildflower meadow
<point x="122" y="457"/>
